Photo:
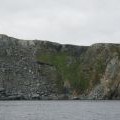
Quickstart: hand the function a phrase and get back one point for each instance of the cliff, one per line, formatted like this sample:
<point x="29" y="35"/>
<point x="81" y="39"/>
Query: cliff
<point x="46" y="70"/>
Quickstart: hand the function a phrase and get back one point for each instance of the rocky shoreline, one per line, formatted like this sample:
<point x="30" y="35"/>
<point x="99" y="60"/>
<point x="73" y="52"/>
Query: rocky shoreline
<point x="43" y="70"/>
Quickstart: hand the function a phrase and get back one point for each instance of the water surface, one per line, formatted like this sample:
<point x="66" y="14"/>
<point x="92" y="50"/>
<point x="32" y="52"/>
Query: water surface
<point x="59" y="110"/>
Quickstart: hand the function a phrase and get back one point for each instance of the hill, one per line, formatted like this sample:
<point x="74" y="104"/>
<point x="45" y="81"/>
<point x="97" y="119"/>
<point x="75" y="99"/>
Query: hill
<point x="35" y="69"/>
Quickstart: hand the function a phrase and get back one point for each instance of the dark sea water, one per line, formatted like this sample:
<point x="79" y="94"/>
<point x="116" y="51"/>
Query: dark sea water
<point x="59" y="110"/>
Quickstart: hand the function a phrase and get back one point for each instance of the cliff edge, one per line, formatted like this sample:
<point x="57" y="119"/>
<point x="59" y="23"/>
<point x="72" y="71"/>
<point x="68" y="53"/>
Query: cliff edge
<point x="34" y="69"/>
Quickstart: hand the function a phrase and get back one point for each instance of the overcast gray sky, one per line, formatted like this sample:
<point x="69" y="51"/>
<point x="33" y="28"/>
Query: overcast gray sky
<point x="81" y="22"/>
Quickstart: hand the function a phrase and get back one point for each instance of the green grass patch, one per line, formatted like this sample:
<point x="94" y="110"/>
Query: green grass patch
<point x="68" y="67"/>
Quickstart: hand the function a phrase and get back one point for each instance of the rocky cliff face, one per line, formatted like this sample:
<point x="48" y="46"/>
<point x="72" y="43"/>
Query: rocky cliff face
<point x="45" y="70"/>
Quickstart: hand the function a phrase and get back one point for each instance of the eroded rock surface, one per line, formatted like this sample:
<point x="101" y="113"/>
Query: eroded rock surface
<point x="42" y="70"/>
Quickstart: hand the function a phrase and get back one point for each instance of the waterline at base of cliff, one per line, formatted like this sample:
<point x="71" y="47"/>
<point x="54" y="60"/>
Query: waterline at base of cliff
<point x="43" y="70"/>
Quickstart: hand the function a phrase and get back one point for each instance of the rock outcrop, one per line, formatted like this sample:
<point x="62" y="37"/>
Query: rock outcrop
<point x="33" y="69"/>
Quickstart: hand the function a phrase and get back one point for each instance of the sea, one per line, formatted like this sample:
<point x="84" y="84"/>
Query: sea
<point x="60" y="110"/>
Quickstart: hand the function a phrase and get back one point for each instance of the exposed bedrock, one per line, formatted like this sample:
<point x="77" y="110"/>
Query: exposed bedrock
<point x="34" y="69"/>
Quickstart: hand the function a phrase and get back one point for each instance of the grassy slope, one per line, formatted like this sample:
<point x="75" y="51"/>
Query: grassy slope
<point x="71" y="72"/>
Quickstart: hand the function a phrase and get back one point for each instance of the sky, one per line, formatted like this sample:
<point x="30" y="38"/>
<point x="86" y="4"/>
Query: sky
<point x="79" y="22"/>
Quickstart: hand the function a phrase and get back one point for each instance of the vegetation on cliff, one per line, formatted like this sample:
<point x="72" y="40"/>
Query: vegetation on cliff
<point x="46" y="70"/>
